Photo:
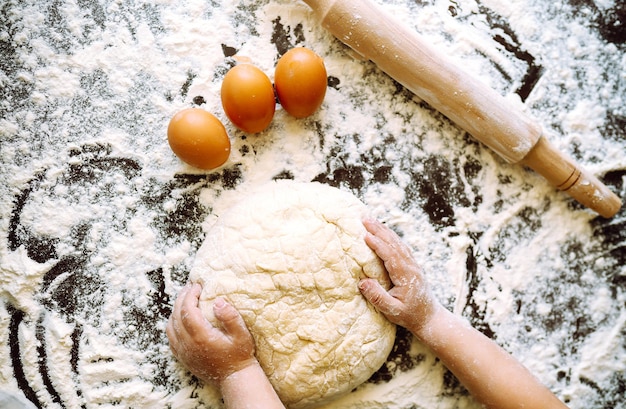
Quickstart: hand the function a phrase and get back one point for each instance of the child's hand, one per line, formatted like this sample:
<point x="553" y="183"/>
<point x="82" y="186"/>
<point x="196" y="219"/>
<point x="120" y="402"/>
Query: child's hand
<point x="210" y="353"/>
<point x="491" y="375"/>
<point x="409" y="302"/>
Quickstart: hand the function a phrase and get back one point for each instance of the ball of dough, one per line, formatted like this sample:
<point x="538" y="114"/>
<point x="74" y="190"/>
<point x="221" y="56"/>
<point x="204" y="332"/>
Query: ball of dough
<point x="289" y="257"/>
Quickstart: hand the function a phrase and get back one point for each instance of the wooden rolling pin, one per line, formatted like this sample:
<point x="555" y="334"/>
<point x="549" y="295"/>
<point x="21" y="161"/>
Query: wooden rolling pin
<point x="400" y="52"/>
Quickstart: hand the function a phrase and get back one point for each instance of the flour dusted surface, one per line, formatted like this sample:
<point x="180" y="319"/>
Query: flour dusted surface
<point x="289" y="257"/>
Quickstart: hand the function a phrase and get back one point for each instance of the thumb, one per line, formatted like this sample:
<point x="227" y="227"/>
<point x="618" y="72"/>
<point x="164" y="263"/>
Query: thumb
<point x="229" y="317"/>
<point x="378" y="296"/>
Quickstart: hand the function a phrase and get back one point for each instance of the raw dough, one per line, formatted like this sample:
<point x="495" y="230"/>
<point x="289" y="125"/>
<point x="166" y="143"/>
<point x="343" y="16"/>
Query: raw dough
<point x="289" y="257"/>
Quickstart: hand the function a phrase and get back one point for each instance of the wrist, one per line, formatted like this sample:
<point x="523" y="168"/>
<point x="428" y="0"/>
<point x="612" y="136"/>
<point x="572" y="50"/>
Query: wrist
<point x="244" y="370"/>
<point x="427" y="328"/>
<point x="249" y="387"/>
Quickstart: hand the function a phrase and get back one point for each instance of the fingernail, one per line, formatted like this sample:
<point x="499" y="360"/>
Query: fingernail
<point x="219" y="303"/>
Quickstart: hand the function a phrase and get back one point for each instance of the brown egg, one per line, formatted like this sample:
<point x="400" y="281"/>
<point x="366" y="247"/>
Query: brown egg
<point x="300" y="81"/>
<point x="248" y="98"/>
<point x="198" y="138"/>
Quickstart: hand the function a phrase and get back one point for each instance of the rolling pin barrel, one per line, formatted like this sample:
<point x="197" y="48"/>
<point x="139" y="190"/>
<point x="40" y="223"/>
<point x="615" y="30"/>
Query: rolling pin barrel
<point x="478" y="109"/>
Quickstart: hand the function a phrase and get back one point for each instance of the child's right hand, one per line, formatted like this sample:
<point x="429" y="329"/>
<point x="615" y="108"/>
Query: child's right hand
<point x="409" y="302"/>
<point x="210" y="353"/>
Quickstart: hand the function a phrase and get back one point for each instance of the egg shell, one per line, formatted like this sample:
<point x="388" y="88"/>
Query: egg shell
<point x="248" y="98"/>
<point x="198" y="138"/>
<point x="300" y="79"/>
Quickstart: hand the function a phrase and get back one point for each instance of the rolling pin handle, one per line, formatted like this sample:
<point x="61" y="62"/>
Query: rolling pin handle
<point x="563" y="173"/>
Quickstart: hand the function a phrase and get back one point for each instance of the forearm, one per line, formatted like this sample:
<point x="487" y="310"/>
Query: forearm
<point x="249" y="388"/>
<point x="490" y="374"/>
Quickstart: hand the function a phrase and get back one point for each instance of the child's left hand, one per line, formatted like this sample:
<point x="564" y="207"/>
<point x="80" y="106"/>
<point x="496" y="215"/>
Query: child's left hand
<point x="212" y="354"/>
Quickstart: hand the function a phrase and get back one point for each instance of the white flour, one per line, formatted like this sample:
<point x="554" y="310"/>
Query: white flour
<point x="129" y="72"/>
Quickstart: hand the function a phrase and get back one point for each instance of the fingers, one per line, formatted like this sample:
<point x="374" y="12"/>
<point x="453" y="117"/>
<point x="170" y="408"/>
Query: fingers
<point x="186" y="319"/>
<point x="173" y="329"/>
<point x="191" y="316"/>
<point x="380" y="230"/>
<point x="380" y="247"/>
<point x="385" y="239"/>
<point x="396" y="255"/>
<point x="179" y="301"/>
<point x="232" y="322"/>
<point x="171" y="336"/>
<point x="187" y="316"/>
<point x="379" y="297"/>
<point x="173" y="324"/>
